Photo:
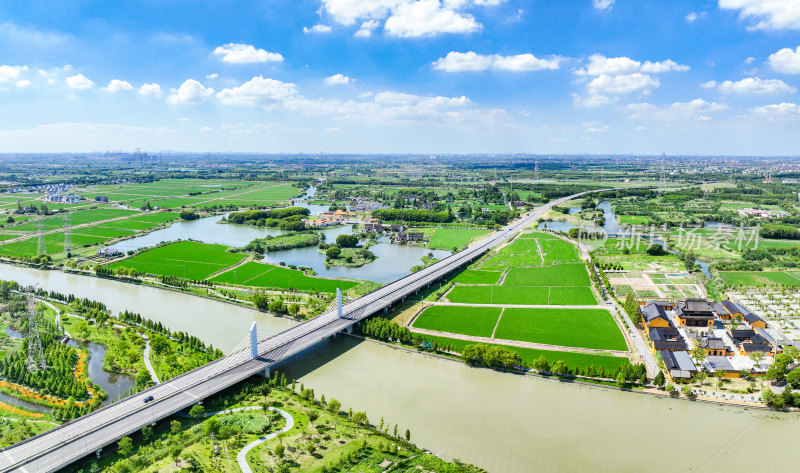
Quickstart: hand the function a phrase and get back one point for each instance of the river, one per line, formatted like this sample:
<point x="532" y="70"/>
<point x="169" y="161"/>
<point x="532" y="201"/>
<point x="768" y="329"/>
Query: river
<point x="502" y="422"/>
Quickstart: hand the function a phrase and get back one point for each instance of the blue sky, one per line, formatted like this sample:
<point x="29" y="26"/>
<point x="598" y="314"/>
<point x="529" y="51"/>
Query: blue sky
<point x="418" y="76"/>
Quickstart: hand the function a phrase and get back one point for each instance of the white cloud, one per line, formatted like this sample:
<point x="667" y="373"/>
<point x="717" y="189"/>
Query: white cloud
<point x="206" y="129"/>
<point x="23" y="83"/>
<point x="79" y="82"/>
<point x="599" y="64"/>
<point x="471" y="61"/>
<point x="117" y="85"/>
<point x="786" y="61"/>
<point x="767" y="14"/>
<point x="595" y="127"/>
<point x="592" y="100"/>
<point x="190" y="92"/>
<point x="754" y="85"/>
<point x="407" y="18"/>
<point x="9" y="73"/>
<point x="317" y="29"/>
<point x="337" y="79"/>
<point x="151" y="90"/>
<point x="212" y="76"/>
<point x="709" y="85"/>
<point x="427" y="18"/>
<point x="777" y="111"/>
<point x="692" y="17"/>
<point x="234" y="53"/>
<point x="697" y="109"/>
<point x="603" y="4"/>
<point x="366" y="29"/>
<point x="258" y="91"/>
<point x="622" y="84"/>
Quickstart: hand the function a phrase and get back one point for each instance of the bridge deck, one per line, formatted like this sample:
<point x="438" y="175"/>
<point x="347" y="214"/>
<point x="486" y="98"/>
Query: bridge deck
<point x="69" y="442"/>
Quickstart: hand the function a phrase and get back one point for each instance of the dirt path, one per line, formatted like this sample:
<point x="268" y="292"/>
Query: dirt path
<point x="517" y="343"/>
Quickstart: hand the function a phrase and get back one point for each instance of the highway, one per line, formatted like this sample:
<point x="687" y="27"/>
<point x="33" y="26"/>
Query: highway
<point x="86" y="435"/>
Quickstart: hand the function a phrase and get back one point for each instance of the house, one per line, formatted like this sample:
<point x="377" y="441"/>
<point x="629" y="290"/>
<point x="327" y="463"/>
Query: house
<point x="694" y="313"/>
<point x="714" y="346"/>
<point x="750" y="341"/>
<point x="679" y="364"/>
<point x="409" y="236"/>
<point x="755" y="321"/>
<point x="373" y="228"/>
<point x="666" y="338"/>
<point x="727" y="310"/>
<point x="654" y="315"/>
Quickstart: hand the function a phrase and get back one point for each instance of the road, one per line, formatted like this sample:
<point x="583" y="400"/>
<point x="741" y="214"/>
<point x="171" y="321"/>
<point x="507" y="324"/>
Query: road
<point x="58" y="447"/>
<point x="147" y="364"/>
<point x="241" y="458"/>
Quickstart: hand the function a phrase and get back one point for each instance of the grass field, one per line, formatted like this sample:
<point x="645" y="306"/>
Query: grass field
<point x="572" y="296"/>
<point x="568" y="274"/>
<point x="477" y="321"/>
<point x="184" y="259"/>
<point x="519" y="253"/>
<point x="472" y="276"/>
<point x="77" y="217"/>
<point x="268" y="276"/>
<point x="447" y="238"/>
<point x="634" y="219"/>
<point x="559" y="251"/>
<point x="54" y="243"/>
<point x="760" y="278"/>
<point x="585" y="328"/>
<point x="580" y="360"/>
<point x="537" y="236"/>
<point x="499" y="295"/>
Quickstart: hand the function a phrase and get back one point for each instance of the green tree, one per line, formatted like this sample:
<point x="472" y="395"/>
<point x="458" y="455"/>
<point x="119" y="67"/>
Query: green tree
<point x="147" y="433"/>
<point x="279" y="450"/>
<point x="197" y="411"/>
<point x="125" y="446"/>
<point x="408" y="435"/>
<point x="659" y="380"/>
<point x="333" y="252"/>
<point x="175" y="453"/>
<point x="699" y="353"/>
<point x="793" y="378"/>
<point x="347" y="241"/>
<point x="175" y="427"/>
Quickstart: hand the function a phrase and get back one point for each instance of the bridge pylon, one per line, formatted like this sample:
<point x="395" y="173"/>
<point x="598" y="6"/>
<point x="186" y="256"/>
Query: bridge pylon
<point x="254" y="341"/>
<point x="339" y="302"/>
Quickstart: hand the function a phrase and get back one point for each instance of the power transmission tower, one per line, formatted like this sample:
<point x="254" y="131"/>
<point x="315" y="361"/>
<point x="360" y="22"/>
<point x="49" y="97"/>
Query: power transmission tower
<point x="67" y="234"/>
<point x="36" y="361"/>
<point x="42" y="247"/>
<point x="536" y="170"/>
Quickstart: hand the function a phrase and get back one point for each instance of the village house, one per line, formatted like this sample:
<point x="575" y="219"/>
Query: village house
<point x="694" y="313"/>
<point x="714" y="346"/>
<point x="666" y="338"/>
<point x="654" y="315"/>
<point x="679" y="364"/>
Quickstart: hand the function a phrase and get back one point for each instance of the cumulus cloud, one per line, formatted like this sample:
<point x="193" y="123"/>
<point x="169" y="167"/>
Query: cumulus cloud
<point x="593" y="100"/>
<point x="786" y="61"/>
<point x="117" y="85"/>
<point x="767" y="14"/>
<point x="317" y="29"/>
<point x="709" y="85"/>
<point x="600" y="64"/>
<point x="151" y="90"/>
<point x="10" y="73"/>
<point x="337" y="79"/>
<point x="754" y="85"/>
<point x="697" y="109"/>
<point x="407" y="18"/>
<point x="777" y="111"/>
<point x="258" y="91"/>
<point x="190" y="92"/>
<point x="603" y="4"/>
<point x="234" y="53"/>
<point x="23" y="83"/>
<point x="79" y="82"/>
<point x="471" y="61"/>
<point x="595" y="127"/>
<point x="622" y="84"/>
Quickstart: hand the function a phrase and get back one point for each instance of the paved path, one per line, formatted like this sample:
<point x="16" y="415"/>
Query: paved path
<point x="149" y="366"/>
<point x="517" y="343"/>
<point x="521" y="306"/>
<point x="58" y="315"/>
<point x="242" y="456"/>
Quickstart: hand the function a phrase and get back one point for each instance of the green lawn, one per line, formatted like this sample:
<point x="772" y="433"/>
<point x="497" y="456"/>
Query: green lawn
<point x="585" y="328"/>
<point x="477" y="321"/>
<point x="185" y="259"/>
<point x="473" y="276"/>
<point x="447" y="238"/>
<point x="581" y="360"/>
<point x="760" y="278"/>
<point x="268" y="276"/>
<point x="567" y="274"/>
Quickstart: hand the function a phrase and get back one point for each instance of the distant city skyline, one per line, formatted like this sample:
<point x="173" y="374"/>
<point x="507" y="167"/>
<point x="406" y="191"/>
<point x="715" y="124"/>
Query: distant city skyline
<point x="402" y="76"/>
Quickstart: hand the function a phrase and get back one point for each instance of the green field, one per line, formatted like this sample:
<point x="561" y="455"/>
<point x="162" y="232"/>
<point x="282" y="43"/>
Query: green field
<point x="579" y="360"/>
<point x="568" y="274"/>
<point x="537" y="236"/>
<point x="559" y="251"/>
<point x="472" y="276"/>
<point x="585" y="328"/>
<point x="447" y="238"/>
<point x="634" y="219"/>
<point x="268" y="276"/>
<point x="76" y="217"/>
<point x="572" y="296"/>
<point x="184" y="259"/>
<point x="477" y="321"/>
<point x="499" y="295"/>
<point x="760" y="278"/>
<point x="54" y="243"/>
<point x="519" y="253"/>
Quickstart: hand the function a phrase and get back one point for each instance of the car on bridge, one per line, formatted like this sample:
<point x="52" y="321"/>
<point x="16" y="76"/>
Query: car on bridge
<point x="148" y="399"/>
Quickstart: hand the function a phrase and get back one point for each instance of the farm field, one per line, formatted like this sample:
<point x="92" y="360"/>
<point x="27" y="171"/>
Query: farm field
<point x="159" y="189"/>
<point x="558" y="251"/>
<point x="760" y="278"/>
<point x="54" y="243"/>
<point x="473" y="276"/>
<point x="447" y="238"/>
<point x="77" y="217"/>
<point x="578" y="360"/>
<point x="477" y="321"/>
<point x="268" y="276"/>
<point x="522" y="295"/>
<point x="567" y="274"/>
<point x="585" y="328"/>
<point x="184" y="259"/>
<point x="634" y="220"/>
<point x="519" y="253"/>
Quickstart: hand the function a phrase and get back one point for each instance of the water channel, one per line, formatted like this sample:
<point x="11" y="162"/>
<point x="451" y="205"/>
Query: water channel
<point x="502" y="422"/>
